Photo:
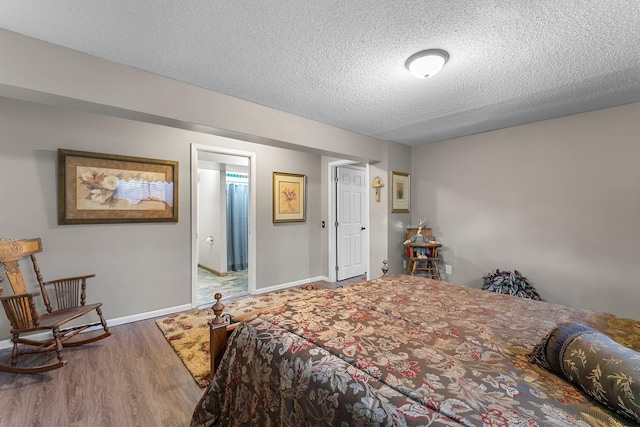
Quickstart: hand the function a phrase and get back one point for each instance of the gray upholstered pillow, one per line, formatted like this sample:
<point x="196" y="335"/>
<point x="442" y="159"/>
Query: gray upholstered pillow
<point x="605" y="370"/>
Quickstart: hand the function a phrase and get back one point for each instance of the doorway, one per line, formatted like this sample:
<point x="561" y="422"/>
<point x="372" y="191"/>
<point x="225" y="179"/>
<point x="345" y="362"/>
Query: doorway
<point x="349" y="215"/>
<point x="223" y="206"/>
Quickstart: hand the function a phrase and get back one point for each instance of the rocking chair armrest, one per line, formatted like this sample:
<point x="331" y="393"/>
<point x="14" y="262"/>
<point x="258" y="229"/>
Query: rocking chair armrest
<point x="18" y="296"/>
<point x="51" y="282"/>
<point x="21" y="311"/>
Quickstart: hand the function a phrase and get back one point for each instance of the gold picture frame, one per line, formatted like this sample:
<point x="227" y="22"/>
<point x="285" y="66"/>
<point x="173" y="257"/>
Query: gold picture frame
<point x="288" y="197"/>
<point x="400" y="192"/>
<point x="96" y="188"/>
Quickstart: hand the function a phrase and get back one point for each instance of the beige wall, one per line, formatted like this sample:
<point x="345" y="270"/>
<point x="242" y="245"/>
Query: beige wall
<point x="399" y="161"/>
<point x="379" y="218"/>
<point x="76" y="101"/>
<point x="141" y="268"/>
<point x="125" y="257"/>
<point x="558" y="200"/>
<point x="41" y="72"/>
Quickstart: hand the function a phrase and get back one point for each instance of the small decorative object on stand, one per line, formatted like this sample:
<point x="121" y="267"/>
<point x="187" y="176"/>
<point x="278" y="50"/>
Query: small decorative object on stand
<point x="510" y="283"/>
<point x="385" y="268"/>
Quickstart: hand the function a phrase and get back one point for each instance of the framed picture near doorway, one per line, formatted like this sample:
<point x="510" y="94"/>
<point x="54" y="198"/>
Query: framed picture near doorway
<point x="401" y="192"/>
<point x="97" y="188"/>
<point x="288" y="197"/>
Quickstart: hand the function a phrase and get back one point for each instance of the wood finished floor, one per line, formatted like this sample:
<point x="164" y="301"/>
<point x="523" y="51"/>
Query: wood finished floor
<point x="132" y="378"/>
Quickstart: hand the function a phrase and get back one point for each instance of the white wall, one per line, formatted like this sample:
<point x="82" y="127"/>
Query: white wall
<point x="209" y="221"/>
<point x="557" y="200"/>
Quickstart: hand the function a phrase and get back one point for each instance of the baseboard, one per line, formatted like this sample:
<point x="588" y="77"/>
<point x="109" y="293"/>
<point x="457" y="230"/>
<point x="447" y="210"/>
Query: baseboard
<point x="148" y="315"/>
<point x="4" y="344"/>
<point x="213" y="271"/>
<point x="291" y="284"/>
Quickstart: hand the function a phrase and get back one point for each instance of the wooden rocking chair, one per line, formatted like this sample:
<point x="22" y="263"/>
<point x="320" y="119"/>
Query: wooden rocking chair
<point x="20" y="308"/>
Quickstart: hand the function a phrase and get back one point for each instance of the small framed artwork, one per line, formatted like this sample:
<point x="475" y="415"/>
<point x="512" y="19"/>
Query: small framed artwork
<point x="401" y="192"/>
<point x="96" y="188"/>
<point x="288" y="197"/>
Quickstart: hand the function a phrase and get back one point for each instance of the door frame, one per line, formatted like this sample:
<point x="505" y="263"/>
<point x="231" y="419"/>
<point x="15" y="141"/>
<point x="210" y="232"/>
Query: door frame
<point x="251" y="274"/>
<point x="332" y="245"/>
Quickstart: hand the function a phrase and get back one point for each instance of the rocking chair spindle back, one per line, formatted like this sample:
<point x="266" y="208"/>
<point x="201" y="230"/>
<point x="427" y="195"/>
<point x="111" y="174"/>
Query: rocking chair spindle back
<point x="20" y="308"/>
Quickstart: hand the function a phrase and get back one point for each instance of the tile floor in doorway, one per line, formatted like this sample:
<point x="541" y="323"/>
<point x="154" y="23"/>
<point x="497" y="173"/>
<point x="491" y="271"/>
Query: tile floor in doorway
<point x="234" y="285"/>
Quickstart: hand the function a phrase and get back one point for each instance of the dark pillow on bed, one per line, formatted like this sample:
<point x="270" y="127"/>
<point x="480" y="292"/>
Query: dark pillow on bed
<point x="606" y="370"/>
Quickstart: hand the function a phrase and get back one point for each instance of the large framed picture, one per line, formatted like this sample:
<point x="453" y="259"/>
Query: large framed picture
<point x="288" y="197"/>
<point x="96" y="188"/>
<point x="401" y="192"/>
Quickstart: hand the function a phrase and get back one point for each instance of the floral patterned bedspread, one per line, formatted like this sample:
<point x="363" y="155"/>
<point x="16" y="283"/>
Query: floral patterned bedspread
<point x="403" y="350"/>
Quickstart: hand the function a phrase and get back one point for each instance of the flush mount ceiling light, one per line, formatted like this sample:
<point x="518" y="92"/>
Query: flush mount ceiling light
<point x="427" y="63"/>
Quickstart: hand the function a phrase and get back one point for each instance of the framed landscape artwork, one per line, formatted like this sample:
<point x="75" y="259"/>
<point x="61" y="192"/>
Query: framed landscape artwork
<point x="288" y="197"/>
<point x="95" y="188"/>
<point x="401" y="192"/>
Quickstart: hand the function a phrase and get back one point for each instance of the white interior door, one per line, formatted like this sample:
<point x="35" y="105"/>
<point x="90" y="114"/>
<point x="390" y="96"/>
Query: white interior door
<point x="351" y="223"/>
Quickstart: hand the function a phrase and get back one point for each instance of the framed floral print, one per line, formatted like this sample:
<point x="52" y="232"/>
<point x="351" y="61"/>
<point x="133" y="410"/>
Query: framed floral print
<point x="96" y="188"/>
<point x="288" y="197"/>
<point x="401" y="192"/>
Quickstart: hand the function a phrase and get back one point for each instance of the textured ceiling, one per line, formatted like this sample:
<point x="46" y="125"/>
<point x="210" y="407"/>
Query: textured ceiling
<point x="342" y="62"/>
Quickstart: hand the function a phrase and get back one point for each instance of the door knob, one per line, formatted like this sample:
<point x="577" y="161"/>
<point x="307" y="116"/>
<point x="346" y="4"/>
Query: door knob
<point x="363" y="228"/>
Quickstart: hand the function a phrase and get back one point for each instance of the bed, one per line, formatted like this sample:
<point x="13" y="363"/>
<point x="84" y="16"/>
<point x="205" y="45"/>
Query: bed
<point x="404" y="350"/>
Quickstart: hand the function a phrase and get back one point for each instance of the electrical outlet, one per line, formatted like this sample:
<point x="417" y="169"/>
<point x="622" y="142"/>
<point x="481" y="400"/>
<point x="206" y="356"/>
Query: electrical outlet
<point x="447" y="268"/>
<point x="404" y="264"/>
